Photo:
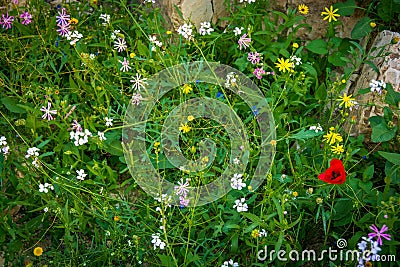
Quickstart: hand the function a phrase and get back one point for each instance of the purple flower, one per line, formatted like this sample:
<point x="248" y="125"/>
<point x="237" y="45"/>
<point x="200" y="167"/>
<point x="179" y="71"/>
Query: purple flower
<point x="48" y="112"/>
<point x="258" y="73"/>
<point x="125" y="65"/>
<point x="27" y="18"/>
<point x="254" y="57"/>
<point x="182" y="189"/>
<point x="136" y="98"/>
<point x="6" y="21"/>
<point x="379" y="233"/>
<point x="244" y="41"/>
<point x="184" y="201"/>
<point x="76" y="126"/>
<point x="63" y="18"/>
<point x="63" y="30"/>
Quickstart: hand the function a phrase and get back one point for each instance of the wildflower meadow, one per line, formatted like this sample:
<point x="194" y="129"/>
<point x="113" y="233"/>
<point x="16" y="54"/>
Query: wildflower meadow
<point x="127" y="141"/>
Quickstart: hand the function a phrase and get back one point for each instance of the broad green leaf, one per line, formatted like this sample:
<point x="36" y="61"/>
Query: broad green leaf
<point x="347" y="8"/>
<point x="381" y="133"/>
<point x="392" y="97"/>
<point x="305" y="134"/>
<point x="318" y="46"/>
<point x="11" y="103"/>
<point x="391" y="157"/>
<point x="362" y="28"/>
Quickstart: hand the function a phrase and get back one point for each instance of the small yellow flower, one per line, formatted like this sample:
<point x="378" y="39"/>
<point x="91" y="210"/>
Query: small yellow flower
<point x="169" y="32"/>
<point x="187" y="89"/>
<point x="250" y="188"/>
<point x="346" y="100"/>
<point x="205" y="159"/>
<point x="332" y="129"/>
<point x="303" y="9"/>
<point x="295" y="194"/>
<point x="332" y="138"/>
<point x="56" y="92"/>
<point x="338" y="149"/>
<point x="343" y="80"/>
<point x="273" y="142"/>
<point x="310" y="190"/>
<point x="185" y="128"/>
<point x="284" y="65"/>
<point x="38" y="251"/>
<point x="73" y="21"/>
<point x="295" y="45"/>
<point x="156" y="144"/>
<point x="116" y="218"/>
<point x="193" y="150"/>
<point x="132" y="55"/>
<point x="255" y="233"/>
<point x="190" y="118"/>
<point x="319" y="200"/>
<point x="372" y="24"/>
<point x="330" y="14"/>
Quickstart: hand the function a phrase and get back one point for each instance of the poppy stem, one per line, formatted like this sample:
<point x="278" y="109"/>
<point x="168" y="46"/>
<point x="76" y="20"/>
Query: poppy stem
<point x="330" y="216"/>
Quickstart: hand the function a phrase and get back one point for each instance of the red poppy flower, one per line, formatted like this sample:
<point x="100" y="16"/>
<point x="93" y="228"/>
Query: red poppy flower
<point x="335" y="174"/>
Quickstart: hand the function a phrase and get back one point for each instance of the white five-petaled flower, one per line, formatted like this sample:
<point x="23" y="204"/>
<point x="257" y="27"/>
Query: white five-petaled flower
<point x="48" y="112"/>
<point x="33" y="151"/>
<point x="240" y="205"/>
<point x="81" y="175"/>
<point x="296" y="61"/>
<point x="114" y="34"/>
<point x="3" y="141"/>
<point x="205" y="28"/>
<point x="157" y="242"/>
<point x="237" y="181"/>
<point x="377" y="86"/>
<point x="230" y="263"/>
<point x="186" y="30"/>
<point x="125" y="65"/>
<point x="73" y="37"/>
<point x="238" y="31"/>
<point x="120" y="44"/>
<point x="80" y="137"/>
<point x="317" y="128"/>
<point x="44" y="188"/>
<point x="109" y="121"/>
<point x="138" y="82"/>
<point x="101" y="136"/>
<point x="236" y="161"/>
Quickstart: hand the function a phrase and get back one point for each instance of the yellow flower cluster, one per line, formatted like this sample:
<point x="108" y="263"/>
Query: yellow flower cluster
<point x="333" y="139"/>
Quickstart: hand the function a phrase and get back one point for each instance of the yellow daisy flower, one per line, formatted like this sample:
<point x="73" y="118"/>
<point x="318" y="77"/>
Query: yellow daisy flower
<point x="190" y="118"/>
<point x="295" y="45"/>
<point x="132" y="55"/>
<point x="284" y="65"/>
<point x="372" y="24"/>
<point x="187" y="89"/>
<point x="303" y="9"/>
<point x="185" y="128"/>
<point x="73" y="21"/>
<point x="346" y="100"/>
<point x="338" y="149"/>
<point x="330" y="14"/>
<point x="255" y="233"/>
<point x="332" y="138"/>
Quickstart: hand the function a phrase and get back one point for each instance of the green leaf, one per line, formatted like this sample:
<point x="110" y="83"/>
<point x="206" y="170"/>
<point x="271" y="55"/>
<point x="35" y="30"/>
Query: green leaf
<point x="362" y="28"/>
<point x="336" y="59"/>
<point x="363" y="91"/>
<point x="381" y="133"/>
<point x="305" y="134"/>
<point x="369" y="172"/>
<point x="318" y="46"/>
<point x="373" y="66"/>
<point x="392" y="97"/>
<point x="11" y="103"/>
<point x="347" y="8"/>
<point x="391" y="157"/>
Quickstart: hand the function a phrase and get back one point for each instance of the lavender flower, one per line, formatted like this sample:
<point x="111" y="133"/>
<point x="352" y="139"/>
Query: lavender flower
<point x="6" y="21"/>
<point x="254" y="57"/>
<point x="258" y="73"/>
<point x="63" y="18"/>
<point x="244" y="41"/>
<point x="48" y="112"/>
<point x="379" y="233"/>
<point x="27" y="18"/>
<point x="125" y="65"/>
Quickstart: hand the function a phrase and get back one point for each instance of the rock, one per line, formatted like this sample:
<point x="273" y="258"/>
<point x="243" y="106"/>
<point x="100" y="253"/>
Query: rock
<point x="389" y="72"/>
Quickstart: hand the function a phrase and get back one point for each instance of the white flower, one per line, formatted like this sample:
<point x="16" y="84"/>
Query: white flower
<point x="316" y="128"/>
<point x="230" y="79"/>
<point x="248" y="1"/>
<point x="105" y="18"/>
<point x="186" y="30"/>
<point x="377" y="86"/>
<point x="240" y="205"/>
<point x="43" y="189"/>
<point x="46" y="209"/>
<point x="5" y="150"/>
<point x="236" y="161"/>
<point x="120" y="44"/>
<point x="150" y="1"/>
<point x="296" y="61"/>
<point x="33" y="151"/>
<point x="81" y="175"/>
<point x="136" y="98"/>
<point x="138" y="82"/>
<point x="157" y="242"/>
<point x="80" y="138"/>
<point x="238" y="31"/>
<point x="182" y="189"/>
<point x="108" y="121"/>
<point x="205" y="28"/>
<point x="92" y="56"/>
<point x="74" y="36"/>
<point x="114" y="34"/>
<point x="101" y="136"/>
<point x="262" y="233"/>
<point x="230" y="263"/>
<point x="3" y="141"/>
<point x="236" y="182"/>
<point x="125" y="65"/>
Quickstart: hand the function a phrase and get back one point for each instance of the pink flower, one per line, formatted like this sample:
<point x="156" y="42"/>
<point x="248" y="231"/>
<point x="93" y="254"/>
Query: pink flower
<point x="379" y="233"/>
<point x="6" y="21"/>
<point x="27" y="18"/>
<point x="244" y="41"/>
<point x="125" y="65"/>
<point x="63" y="18"/>
<point x="254" y="58"/>
<point x="258" y="73"/>
<point x="48" y="112"/>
